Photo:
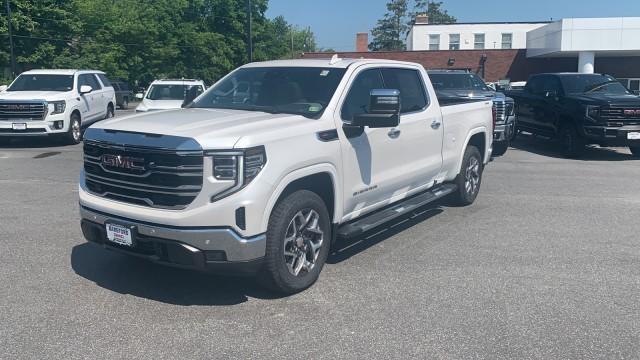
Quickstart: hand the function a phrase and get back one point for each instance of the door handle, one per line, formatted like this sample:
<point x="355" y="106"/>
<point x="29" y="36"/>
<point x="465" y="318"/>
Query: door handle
<point x="435" y="125"/>
<point x="394" y="133"/>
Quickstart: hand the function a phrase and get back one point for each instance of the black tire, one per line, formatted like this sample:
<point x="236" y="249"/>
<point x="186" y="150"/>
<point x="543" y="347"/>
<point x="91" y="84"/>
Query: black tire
<point x="465" y="195"/>
<point x="635" y="151"/>
<point x="125" y="104"/>
<point x="74" y="134"/>
<point x="500" y="147"/>
<point x="276" y="274"/>
<point x="110" y="112"/>
<point x="573" y="145"/>
<point x="514" y="132"/>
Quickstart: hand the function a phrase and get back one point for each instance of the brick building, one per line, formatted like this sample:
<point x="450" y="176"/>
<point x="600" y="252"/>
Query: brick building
<point x="609" y="45"/>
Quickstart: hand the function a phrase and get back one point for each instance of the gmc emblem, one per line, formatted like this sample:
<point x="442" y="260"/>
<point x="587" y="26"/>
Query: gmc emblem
<point x="18" y="107"/>
<point x="123" y="162"/>
<point x="632" y="112"/>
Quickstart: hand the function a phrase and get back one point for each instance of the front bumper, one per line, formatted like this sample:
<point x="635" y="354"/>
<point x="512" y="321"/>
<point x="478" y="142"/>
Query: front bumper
<point x="35" y="128"/>
<point x="611" y="136"/>
<point x="219" y="250"/>
<point x="500" y="132"/>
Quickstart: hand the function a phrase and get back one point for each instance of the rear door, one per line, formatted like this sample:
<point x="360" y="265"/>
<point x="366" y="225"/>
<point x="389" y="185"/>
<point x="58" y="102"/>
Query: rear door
<point x="381" y="166"/>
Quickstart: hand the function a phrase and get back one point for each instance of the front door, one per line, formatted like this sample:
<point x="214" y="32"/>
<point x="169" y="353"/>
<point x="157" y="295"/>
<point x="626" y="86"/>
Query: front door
<point x="90" y="102"/>
<point x="381" y="166"/>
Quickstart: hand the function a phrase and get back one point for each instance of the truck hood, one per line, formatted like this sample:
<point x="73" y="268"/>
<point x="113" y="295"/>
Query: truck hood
<point x="607" y="99"/>
<point x="147" y="104"/>
<point x="33" y="95"/>
<point x="211" y="128"/>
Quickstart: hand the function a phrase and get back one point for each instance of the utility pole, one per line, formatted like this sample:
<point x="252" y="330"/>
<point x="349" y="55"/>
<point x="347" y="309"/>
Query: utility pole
<point x="291" y="31"/>
<point x="250" y="31"/>
<point x="13" y="56"/>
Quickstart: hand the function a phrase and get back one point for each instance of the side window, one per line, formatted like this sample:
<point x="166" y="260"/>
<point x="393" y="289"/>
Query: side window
<point x="550" y="84"/>
<point x="88" y="79"/>
<point x="412" y="93"/>
<point x="105" y="81"/>
<point x="357" y="101"/>
<point x="94" y="82"/>
<point x="116" y="86"/>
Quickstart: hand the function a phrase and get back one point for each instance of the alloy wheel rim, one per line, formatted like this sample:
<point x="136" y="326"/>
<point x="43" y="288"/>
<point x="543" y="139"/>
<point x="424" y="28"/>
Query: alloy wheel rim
<point x="472" y="176"/>
<point x="302" y="242"/>
<point x="75" y="130"/>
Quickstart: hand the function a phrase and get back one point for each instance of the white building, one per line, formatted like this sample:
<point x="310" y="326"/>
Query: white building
<point x="463" y="36"/>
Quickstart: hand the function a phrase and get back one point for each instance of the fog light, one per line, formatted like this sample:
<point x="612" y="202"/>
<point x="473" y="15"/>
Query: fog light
<point x="215" y="255"/>
<point x="58" y="124"/>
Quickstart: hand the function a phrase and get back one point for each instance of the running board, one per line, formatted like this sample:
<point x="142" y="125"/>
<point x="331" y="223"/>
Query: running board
<point x="404" y="207"/>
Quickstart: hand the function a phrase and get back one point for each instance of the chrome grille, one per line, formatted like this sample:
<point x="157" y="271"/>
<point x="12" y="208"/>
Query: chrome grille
<point x="24" y="111"/>
<point x="623" y="115"/>
<point x="501" y="110"/>
<point x="160" y="178"/>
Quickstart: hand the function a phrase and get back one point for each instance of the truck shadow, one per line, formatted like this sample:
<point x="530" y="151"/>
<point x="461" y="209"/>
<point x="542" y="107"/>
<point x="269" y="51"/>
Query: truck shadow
<point x="344" y="249"/>
<point x="128" y="275"/>
<point x="551" y="148"/>
<point x="32" y="143"/>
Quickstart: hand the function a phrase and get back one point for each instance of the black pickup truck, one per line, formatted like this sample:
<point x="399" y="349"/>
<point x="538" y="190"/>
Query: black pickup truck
<point x="459" y="86"/>
<point x="579" y="109"/>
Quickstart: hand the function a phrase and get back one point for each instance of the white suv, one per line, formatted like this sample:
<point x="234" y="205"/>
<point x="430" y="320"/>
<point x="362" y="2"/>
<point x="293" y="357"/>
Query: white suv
<point x="169" y="94"/>
<point x="55" y="102"/>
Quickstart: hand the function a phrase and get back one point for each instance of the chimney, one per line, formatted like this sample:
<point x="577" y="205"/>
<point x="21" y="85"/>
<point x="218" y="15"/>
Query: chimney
<point x="362" y="42"/>
<point x="422" y="19"/>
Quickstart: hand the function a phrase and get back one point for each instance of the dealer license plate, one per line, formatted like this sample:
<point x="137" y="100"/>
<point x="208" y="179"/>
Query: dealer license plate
<point x="119" y="234"/>
<point x="633" y="136"/>
<point x="19" y="126"/>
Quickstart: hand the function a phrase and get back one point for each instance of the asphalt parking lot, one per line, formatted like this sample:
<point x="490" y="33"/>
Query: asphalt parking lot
<point x="545" y="265"/>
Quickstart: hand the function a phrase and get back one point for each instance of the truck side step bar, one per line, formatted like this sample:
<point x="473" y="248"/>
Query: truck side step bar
<point x="385" y="215"/>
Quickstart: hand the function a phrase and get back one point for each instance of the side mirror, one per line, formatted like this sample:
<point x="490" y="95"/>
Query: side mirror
<point x="190" y="95"/>
<point x="384" y="110"/>
<point x="139" y="96"/>
<point x="85" y="89"/>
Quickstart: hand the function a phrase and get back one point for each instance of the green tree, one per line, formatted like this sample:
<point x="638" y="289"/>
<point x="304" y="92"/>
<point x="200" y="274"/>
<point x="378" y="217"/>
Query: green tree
<point x="434" y="10"/>
<point x="389" y="33"/>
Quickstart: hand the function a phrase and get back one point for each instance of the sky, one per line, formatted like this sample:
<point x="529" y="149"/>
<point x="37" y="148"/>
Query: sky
<point x="336" y="22"/>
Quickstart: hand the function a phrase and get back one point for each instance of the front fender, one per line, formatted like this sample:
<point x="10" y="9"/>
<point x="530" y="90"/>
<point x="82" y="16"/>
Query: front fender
<point x="299" y="174"/>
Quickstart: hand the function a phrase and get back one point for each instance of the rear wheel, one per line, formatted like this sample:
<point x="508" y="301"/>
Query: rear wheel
<point x="635" y="151"/>
<point x="110" y="112"/>
<point x="298" y="240"/>
<point x="74" y="134"/>
<point x="573" y="145"/>
<point x="125" y="104"/>
<point x="470" y="177"/>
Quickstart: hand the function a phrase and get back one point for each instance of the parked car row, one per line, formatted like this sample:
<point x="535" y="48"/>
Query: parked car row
<point x="61" y="103"/>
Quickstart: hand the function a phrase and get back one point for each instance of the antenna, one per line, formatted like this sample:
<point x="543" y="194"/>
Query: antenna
<point x="334" y="59"/>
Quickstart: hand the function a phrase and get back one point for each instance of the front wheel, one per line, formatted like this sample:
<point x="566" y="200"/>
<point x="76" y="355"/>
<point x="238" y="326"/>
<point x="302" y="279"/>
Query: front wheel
<point x="573" y="145"/>
<point x="635" y="151"/>
<point x="74" y="134"/>
<point x="470" y="177"/>
<point x="298" y="240"/>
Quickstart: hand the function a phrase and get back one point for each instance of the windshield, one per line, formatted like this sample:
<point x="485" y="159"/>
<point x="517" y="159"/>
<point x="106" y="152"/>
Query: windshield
<point x="588" y="84"/>
<point x="42" y="82"/>
<point x="170" y="92"/>
<point x="289" y="90"/>
<point x="452" y="81"/>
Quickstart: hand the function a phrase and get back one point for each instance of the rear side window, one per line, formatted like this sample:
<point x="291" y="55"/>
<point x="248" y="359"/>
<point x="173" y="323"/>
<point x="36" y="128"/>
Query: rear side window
<point x="357" y="101"/>
<point x="105" y="81"/>
<point x="412" y="94"/>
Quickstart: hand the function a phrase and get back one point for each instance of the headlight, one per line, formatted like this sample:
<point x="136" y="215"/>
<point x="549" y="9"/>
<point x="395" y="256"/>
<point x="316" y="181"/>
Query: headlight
<point x="592" y="113"/>
<point x="240" y="166"/>
<point x="58" y="107"/>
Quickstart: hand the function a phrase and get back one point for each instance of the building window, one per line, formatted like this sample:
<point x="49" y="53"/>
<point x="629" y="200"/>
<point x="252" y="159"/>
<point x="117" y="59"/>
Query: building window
<point x="434" y="42"/>
<point x="507" y="41"/>
<point x="454" y="41"/>
<point x="478" y="41"/>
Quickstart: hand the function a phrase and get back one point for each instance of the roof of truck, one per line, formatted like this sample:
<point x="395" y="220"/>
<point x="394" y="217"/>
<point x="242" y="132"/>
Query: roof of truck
<point x="323" y="63"/>
<point x="62" y="71"/>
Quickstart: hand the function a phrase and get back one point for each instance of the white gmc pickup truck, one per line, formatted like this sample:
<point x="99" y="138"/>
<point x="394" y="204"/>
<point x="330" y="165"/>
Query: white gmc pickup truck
<point x="261" y="173"/>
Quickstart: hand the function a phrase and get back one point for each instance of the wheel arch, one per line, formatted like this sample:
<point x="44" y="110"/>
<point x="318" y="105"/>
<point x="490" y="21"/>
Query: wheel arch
<point x="322" y="179"/>
<point x="478" y="137"/>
